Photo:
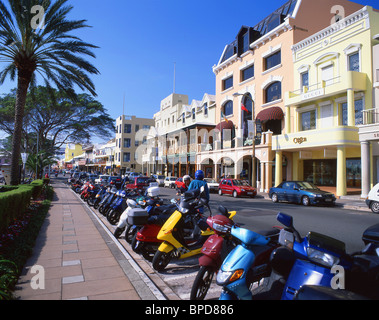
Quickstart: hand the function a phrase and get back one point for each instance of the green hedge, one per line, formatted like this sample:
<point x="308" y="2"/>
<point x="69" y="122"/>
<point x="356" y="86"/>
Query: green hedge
<point x="13" y="203"/>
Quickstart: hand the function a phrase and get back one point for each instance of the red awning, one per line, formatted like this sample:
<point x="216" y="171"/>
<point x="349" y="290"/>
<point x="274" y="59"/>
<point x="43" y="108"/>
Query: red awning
<point x="225" y="125"/>
<point x="273" y="113"/>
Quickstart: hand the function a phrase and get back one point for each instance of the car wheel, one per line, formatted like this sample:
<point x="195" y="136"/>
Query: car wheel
<point x="274" y="198"/>
<point x="220" y="192"/>
<point x="235" y="194"/>
<point x="374" y="206"/>
<point x="305" y="201"/>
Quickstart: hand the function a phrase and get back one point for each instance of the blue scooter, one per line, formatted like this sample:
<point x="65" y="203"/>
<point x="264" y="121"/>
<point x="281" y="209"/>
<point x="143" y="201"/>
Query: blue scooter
<point x="309" y="261"/>
<point x="117" y="207"/>
<point x="247" y="263"/>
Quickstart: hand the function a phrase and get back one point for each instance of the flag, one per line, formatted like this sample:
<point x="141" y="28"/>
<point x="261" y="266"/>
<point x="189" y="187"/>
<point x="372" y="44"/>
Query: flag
<point x="244" y="108"/>
<point x="223" y="116"/>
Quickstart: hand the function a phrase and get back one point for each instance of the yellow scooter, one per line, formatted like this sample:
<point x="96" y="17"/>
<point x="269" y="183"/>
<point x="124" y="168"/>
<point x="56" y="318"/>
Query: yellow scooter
<point x="176" y="243"/>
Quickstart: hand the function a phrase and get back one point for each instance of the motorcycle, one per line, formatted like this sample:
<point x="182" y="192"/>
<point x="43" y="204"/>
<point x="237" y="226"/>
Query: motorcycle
<point x="310" y="261"/>
<point x="184" y="233"/>
<point x="117" y="207"/>
<point x="247" y="263"/>
<point x="145" y="239"/>
<point x="95" y="200"/>
<point x="107" y="200"/>
<point x="213" y="252"/>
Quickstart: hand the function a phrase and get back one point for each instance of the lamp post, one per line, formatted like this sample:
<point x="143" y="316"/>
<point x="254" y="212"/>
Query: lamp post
<point x="254" y="172"/>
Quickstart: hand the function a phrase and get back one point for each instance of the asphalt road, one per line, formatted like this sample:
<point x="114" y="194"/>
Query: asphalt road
<point x="260" y="214"/>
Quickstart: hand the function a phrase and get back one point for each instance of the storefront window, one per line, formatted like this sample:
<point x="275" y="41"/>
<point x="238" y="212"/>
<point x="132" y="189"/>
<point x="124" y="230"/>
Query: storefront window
<point x="320" y="172"/>
<point x="353" y="172"/>
<point x="358" y="112"/>
<point x="308" y="120"/>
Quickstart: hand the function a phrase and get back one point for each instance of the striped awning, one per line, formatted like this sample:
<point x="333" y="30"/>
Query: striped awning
<point x="273" y="113"/>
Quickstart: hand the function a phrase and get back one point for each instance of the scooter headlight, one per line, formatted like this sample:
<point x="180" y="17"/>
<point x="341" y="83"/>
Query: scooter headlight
<point x="322" y="258"/>
<point x="224" y="277"/>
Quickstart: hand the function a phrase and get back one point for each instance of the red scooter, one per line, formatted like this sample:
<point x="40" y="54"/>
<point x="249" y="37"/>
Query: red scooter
<point x="218" y="246"/>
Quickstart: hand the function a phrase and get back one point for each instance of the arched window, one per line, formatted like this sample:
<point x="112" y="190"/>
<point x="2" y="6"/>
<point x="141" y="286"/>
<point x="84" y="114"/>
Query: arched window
<point x="273" y="91"/>
<point x="228" y="108"/>
<point x="247" y="116"/>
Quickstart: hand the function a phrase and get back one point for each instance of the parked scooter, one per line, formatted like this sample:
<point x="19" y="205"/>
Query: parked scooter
<point x="247" y="263"/>
<point x="145" y="240"/>
<point x="107" y="200"/>
<point x="95" y="201"/>
<point x="117" y="207"/>
<point x="176" y="243"/>
<point x="213" y="252"/>
<point x="309" y="261"/>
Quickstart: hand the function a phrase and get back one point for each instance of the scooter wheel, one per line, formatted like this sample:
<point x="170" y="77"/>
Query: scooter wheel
<point x="161" y="260"/>
<point x="202" y="283"/>
<point x="118" y="232"/>
<point x="136" y="245"/>
<point x="96" y="206"/>
<point x="113" y="216"/>
<point x="129" y="233"/>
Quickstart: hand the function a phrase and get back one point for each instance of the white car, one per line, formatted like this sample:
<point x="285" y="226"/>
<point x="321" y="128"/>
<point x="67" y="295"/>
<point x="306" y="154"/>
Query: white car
<point x="169" y="182"/>
<point x="160" y="179"/>
<point x="372" y="200"/>
<point x="102" y="178"/>
<point x="212" y="184"/>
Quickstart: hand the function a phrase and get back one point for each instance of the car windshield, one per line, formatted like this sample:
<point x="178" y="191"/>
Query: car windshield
<point x="173" y="179"/>
<point x="210" y="180"/>
<point x="240" y="183"/>
<point x="160" y="177"/>
<point x="307" y="185"/>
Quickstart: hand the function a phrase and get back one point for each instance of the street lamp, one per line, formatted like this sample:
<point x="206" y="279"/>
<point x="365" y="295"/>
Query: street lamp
<point x="254" y="172"/>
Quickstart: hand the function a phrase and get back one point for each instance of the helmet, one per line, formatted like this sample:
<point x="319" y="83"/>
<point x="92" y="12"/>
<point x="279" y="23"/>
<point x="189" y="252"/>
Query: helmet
<point x="199" y="175"/>
<point x="186" y="177"/>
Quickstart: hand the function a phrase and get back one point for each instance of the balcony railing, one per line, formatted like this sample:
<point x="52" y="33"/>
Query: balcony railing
<point x="371" y="116"/>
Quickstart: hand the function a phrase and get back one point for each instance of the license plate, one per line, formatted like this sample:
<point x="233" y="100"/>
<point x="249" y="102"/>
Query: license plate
<point x="249" y="193"/>
<point x="328" y="200"/>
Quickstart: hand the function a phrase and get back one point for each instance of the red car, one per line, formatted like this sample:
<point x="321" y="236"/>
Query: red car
<point x="179" y="183"/>
<point x="236" y="188"/>
<point x="139" y="183"/>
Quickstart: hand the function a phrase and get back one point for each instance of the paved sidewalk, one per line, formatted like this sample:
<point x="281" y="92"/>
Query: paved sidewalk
<point x="80" y="260"/>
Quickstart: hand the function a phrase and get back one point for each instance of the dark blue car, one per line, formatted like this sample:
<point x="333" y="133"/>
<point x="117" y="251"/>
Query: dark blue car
<point x="302" y="192"/>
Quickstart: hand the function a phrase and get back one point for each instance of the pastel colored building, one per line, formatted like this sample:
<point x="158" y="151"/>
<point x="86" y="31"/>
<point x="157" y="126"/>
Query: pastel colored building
<point x="333" y="86"/>
<point x="253" y="74"/>
<point x="72" y="150"/>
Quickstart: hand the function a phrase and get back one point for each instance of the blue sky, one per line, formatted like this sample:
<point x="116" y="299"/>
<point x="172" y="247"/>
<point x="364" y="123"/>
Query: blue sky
<point x="141" y="40"/>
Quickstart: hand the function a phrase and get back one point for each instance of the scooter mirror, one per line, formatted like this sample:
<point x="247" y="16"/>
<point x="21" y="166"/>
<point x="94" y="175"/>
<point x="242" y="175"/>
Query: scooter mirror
<point x="223" y="211"/>
<point x="285" y="219"/>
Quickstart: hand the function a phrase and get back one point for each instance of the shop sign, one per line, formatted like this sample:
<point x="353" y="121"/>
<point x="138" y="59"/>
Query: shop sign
<point x="300" y="140"/>
<point x="313" y="94"/>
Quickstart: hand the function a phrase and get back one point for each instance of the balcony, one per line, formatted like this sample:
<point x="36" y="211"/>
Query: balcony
<point x="353" y="80"/>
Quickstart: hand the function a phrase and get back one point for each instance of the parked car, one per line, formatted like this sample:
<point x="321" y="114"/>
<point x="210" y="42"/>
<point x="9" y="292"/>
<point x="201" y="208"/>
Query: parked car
<point x="115" y="181"/>
<point x="159" y="178"/>
<point x="372" y="199"/>
<point x="139" y="183"/>
<point x="169" y="182"/>
<point x="133" y="175"/>
<point x="236" y="188"/>
<point x="212" y="184"/>
<point x="302" y="192"/>
<point x="102" y="178"/>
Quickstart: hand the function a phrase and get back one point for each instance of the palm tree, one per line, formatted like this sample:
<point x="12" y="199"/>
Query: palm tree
<point x="36" y="162"/>
<point x="47" y="49"/>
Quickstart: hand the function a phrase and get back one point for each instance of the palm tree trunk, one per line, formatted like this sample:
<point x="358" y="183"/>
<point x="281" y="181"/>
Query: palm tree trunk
<point x="23" y="81"/>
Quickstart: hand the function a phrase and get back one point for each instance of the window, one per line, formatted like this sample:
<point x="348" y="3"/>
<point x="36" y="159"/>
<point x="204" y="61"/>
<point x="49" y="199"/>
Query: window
<point x="183" y="118"/>
<point x="228" y="108"/>
<point x="247" y="116"/>
<point x="358" y="112"/>
<point x="245" y="42"/>
<point x="273" y="92"/>
<point x="137" y="127"/>
<point x="327" y="75"/>
<point x="273" y="60"/>
<point x="127" y="143"/>
<point x="205" y="106"/>
<point x="128" y="128"/>
<point x="193" y="114"/>
<point x="126" y="157"/>
<point x="247" y="73"/>
<point x="227" y="83"/>
<point x="354" y="62"/>
<point x="304" y="80"/>
<point x="308" y="120"/>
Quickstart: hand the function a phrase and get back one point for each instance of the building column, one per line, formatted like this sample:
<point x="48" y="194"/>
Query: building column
<point x="350" y="108"/>
<point x="295" y="166"/>
<point x="341" y="171"/>
<point x="268" y="170"/>
<point x="278" y="167"/>
<point x="365" y="163"/>
<point x="288" y="120"/>
<point x="263" y="177"/>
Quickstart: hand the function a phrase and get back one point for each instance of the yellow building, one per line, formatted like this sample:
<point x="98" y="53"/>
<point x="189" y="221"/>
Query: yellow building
<point x="72" y="150"/>
<point x="333" y="85"/>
